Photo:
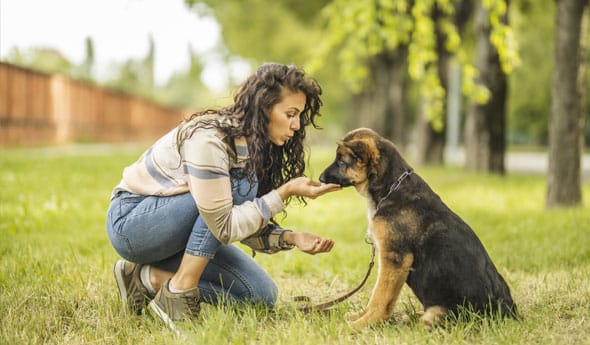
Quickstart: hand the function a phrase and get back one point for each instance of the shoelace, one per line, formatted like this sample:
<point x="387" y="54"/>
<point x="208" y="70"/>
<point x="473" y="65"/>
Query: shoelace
<point x="194" y="305"/>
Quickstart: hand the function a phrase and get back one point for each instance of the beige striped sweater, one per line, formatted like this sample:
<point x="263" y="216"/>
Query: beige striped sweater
<point x="202" y="167"/>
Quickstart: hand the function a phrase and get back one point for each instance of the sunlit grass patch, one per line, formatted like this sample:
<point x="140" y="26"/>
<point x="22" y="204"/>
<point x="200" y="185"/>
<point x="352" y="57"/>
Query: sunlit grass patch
<point x="56" y="284"/>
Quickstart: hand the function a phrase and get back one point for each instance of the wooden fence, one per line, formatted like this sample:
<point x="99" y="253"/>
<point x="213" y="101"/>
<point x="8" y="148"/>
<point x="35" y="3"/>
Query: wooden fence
<point x="45" y="109"/>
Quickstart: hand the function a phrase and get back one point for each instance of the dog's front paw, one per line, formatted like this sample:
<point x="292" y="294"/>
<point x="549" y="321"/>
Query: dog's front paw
<point x="360" y="323"/>
<point x="367" y="319"/>
<point x="354" y="315"/>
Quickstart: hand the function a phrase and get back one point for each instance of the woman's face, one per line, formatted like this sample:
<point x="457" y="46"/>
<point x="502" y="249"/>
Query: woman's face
<point x="284" y="117"/>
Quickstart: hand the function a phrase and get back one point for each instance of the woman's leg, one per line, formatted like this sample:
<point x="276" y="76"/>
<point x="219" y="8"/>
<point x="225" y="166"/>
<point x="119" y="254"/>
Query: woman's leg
<point x="157" y="231"/>
<point x="150" y="229"/>
<point x="167" y="234"/>
<point x="233" y="276"/>
<point x="146" y="230"/>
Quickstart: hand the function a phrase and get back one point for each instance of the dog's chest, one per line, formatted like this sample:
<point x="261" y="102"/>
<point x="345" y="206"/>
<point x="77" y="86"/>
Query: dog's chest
<point x="370" y="216"/>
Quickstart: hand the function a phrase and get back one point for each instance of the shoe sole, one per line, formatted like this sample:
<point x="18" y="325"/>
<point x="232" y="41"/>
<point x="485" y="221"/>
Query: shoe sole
<point x="118" y="271"/>
<point x="155" y="308"/>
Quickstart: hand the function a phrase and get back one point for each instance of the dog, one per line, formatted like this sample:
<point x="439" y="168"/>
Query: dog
<point x="418" y="239"/>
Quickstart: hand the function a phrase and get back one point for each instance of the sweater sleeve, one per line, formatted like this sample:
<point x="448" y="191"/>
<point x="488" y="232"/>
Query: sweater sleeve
<point x="206" y="163"/>
<point x="268" y="240"/>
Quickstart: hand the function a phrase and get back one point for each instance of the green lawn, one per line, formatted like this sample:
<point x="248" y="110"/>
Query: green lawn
<point x="56" y="283"/>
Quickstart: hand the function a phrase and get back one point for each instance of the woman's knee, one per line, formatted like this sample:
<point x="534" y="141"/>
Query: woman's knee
<point x="265" y="291"/>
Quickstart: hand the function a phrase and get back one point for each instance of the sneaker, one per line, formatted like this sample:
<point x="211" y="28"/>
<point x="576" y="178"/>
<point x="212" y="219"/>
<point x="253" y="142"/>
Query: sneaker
<point x="133" y="294"/>
<point x="171" y="307"/>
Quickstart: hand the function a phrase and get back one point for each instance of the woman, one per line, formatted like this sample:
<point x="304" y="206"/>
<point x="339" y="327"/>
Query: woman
<point x="219" y="177"/>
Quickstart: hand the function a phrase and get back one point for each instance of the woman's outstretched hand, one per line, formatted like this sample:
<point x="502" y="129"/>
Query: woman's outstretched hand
<point x="306" y="187"/>
<point x="309" y="243"/>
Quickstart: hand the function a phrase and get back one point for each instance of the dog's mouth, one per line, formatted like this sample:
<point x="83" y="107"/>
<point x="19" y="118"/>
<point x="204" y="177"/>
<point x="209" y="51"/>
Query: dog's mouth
<point x="346" y="183"/>
<point x="333" y="179"/>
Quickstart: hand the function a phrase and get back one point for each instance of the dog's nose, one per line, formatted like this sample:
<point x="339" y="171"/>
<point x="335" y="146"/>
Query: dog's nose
<point x="322" y="178"/>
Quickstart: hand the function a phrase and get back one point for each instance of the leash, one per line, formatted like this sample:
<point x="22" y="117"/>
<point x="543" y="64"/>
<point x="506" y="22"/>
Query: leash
<point x="324" y="306"/>
<point x="327" y="305"/>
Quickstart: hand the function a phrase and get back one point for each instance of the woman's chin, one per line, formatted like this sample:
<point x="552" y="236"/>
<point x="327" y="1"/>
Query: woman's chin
<point x="278" y="142"/>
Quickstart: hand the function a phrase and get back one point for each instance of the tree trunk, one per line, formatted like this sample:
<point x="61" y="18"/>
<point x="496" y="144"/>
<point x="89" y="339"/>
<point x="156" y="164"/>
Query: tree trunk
<point x="463" y="12"/>
<point x="430" y="143"/>
<point x="564" y="185"/>
<point x="382" y="106"/>
<point x="485" y="126"/>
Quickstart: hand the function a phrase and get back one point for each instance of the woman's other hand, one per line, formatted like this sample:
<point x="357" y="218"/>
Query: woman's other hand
<point x="308" y="243"/>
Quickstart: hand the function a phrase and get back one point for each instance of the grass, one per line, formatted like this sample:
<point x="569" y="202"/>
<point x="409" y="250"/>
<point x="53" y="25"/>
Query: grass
<point x="56" y="284"/>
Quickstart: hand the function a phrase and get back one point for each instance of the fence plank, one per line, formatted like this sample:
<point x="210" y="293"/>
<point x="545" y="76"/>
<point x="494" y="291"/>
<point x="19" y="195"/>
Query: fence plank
<point x="43" y="109"/>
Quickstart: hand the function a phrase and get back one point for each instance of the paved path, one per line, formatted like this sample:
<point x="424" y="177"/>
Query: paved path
<point x="533" y="162"/>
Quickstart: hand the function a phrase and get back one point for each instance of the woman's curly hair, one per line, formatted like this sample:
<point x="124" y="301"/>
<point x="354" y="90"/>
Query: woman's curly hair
<point x="270" y="164"/>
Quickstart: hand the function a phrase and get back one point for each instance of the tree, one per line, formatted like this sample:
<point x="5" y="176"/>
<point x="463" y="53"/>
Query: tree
<point x="528" y="117"/>
<point x="46" y="60"/>
<point x="185" y="90"/>
<point x="382" y="102"/>
<point x="136" y="76"/>
<point x="362" y="29"/>
<point x="149" y="62"/>
<point x="567" y="120"/>
<point x="431" y="138"/>
<point x="88" y="63"/>
<point x="285" y="31"/>
<point x="272" y="30"/>
<point x="485" y="128"/>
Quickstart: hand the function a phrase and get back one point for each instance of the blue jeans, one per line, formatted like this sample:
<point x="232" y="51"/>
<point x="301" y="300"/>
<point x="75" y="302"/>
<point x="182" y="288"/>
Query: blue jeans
<point x="158" y="230"/>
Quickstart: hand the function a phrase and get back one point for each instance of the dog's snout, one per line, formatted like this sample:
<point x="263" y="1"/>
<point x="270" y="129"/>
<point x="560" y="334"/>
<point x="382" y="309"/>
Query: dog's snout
<point x="328" y="176"/>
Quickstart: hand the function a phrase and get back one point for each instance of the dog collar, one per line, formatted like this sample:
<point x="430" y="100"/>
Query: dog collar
<point x="400" y="179"/>
<point x="395" y="186"/>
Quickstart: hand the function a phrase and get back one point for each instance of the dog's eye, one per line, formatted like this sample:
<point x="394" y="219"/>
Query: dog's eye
<point x="340" y="163"/>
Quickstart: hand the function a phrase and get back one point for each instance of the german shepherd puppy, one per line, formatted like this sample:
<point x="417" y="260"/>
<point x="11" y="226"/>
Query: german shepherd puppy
<point x="419" y="240"/>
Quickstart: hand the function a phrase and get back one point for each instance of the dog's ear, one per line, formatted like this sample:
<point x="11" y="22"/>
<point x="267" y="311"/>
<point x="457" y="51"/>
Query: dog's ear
<point x="363" y="151"/>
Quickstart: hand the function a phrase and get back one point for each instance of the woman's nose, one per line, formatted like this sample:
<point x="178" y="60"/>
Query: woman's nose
<point x="295" y="123"/>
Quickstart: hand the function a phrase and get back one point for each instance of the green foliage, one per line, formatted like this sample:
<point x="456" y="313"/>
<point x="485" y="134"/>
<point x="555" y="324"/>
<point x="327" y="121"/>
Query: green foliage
<point x="284" y="31"/>
<point x="44" y="60"/>
<point x="530" y="91"/>
<point x="359" y="30"/>
<point x="502" y="35"/>
<point x="264" y="30"/>
<point x="87" y="66"/>
<point x="185" y="89"/>
<point x="133" y="76"/>
<point x="56" y="283"/>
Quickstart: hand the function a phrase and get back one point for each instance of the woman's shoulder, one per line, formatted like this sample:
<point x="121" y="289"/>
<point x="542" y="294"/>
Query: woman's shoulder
<point x="203" y="126"/>
<point x="205" y="131"/>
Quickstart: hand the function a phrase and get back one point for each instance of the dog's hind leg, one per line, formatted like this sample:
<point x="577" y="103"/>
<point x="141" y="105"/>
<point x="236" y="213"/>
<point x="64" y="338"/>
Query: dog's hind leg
<point x="433" y="316"/>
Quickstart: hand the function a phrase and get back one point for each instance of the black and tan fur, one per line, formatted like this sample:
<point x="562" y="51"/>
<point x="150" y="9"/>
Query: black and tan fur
<point x="419" y="240"/>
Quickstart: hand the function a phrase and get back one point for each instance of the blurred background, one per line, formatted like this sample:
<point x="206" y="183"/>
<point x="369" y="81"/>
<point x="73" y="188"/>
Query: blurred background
<point x="491" y="85"/>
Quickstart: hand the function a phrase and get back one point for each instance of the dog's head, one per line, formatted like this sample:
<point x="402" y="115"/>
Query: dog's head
<point x="357" y="158"/>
